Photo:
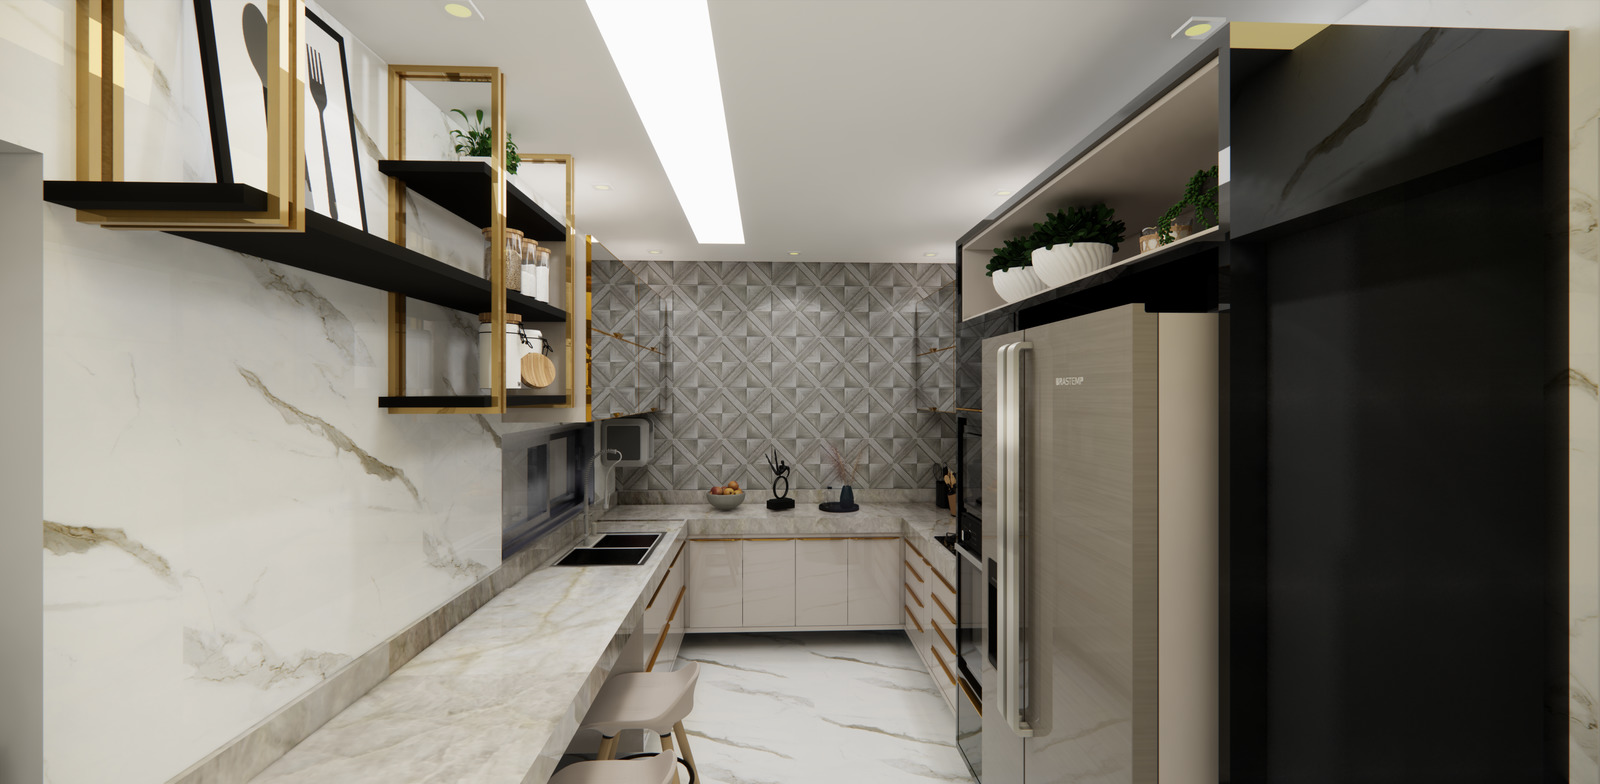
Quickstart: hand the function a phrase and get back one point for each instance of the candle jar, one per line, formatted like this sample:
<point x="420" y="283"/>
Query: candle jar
<point x="513" y="257"/>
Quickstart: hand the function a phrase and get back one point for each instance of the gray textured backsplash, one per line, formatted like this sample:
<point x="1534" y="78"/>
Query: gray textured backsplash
<point x="785" y="355"/>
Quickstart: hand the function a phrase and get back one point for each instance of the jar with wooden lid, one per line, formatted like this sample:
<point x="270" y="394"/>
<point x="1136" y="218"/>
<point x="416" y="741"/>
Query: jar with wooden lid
<point x="513" y="257"/>
<point x="515" y="348"/>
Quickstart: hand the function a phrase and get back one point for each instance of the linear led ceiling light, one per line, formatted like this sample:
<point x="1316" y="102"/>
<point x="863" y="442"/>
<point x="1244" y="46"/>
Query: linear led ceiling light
<point x="663" y="51"/>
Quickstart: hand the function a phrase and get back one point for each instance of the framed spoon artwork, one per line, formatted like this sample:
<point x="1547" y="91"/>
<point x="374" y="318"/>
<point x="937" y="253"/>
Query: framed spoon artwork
<point x="233" y="55"/>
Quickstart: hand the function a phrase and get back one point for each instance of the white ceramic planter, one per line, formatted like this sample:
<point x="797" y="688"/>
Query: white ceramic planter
<point x="477" y="159"/>
<point x="1062" y="264"/>
<point x="1017" y="284"/>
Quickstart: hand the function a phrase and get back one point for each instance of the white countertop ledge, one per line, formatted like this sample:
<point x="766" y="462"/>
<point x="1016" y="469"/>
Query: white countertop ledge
<point x="753" y="518"/>
<point x="496" y="700"/>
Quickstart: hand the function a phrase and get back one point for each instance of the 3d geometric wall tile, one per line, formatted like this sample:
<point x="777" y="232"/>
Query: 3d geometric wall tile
<point x="787" y="355"/>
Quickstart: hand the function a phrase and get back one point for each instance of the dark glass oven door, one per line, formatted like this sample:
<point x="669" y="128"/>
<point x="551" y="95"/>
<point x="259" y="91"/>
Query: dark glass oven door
<point x="971" y="593"/>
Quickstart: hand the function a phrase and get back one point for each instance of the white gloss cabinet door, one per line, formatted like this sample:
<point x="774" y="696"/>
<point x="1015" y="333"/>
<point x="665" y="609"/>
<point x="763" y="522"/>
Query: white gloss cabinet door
<point x="716" y="585"/>
<point x="769" y="586"/>
<point x="874" y="582"/>
<point x="821" y="574"/>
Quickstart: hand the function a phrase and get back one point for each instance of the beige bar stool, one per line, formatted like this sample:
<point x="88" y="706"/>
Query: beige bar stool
<point x="654" y="701"/>
<point x="655" y="769"/>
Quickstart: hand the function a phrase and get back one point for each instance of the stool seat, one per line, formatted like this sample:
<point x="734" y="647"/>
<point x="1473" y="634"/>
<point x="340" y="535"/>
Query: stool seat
<point x="648" y="770"/>
<point x="654" y="701"/>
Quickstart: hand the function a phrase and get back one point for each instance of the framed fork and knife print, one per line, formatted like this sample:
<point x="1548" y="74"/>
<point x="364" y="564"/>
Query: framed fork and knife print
<point x="233" y="57"/>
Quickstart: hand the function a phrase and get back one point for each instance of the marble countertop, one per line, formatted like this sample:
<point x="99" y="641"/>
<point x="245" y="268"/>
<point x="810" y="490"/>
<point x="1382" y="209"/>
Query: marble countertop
<point x="497" y="699"/>
<point x="918" y="523"/>
<point x="755" y="519"/>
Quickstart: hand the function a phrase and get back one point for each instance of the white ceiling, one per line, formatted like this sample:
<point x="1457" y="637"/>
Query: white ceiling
<point x="862" y="130"/>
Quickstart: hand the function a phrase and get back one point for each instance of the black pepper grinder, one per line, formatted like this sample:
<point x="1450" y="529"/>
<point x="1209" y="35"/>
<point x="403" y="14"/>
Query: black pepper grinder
<point x="941" y="497"/>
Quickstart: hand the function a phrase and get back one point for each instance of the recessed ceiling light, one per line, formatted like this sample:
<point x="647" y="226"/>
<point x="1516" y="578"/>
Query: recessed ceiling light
<point x="1002" y="193"/>
<point x="1199" y="28"/>
<point x="458" y="10"/>
<point x="655" y="251"/>
<point x="664" y="52"/>
<point x="794" y="253"/>
<point x="602" y="187"/>
<point x="930" y="255"/>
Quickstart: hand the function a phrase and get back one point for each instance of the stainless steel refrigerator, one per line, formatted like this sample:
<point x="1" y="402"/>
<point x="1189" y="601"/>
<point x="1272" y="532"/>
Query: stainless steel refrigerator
<point x="1100" y="472"/>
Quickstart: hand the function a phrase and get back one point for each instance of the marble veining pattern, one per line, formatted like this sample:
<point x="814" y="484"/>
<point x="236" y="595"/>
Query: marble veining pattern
<point x="237" y="541"/>
<point x="1582" y="20"/>
<point x="496" y="698"/>
<point x="833" y="707"/>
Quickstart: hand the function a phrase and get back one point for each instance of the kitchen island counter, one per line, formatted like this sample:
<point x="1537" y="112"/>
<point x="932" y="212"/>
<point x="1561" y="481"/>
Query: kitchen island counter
<point x="497" y="699"/>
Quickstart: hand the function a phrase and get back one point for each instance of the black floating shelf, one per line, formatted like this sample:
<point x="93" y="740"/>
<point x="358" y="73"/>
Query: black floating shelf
<point x="326" y="246"/>
<point x="469" y="401"/>
<point x="178" y="196"/>
<point x="462" y="187"/>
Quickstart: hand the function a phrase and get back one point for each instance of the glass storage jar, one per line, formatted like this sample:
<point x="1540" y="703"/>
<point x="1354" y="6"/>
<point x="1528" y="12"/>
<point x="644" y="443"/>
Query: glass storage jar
<point x="513" y="257"/>
<point x="515" y="348"/>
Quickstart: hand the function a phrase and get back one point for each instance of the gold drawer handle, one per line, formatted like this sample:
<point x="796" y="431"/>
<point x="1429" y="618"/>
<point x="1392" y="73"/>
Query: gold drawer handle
<point x="659" y="586"/>
<point x="947" y="613"/>
<point x="913" y="571"/>
<point x="972" y="698"/>
<point x="913" y="617"/>
<point x="913" y="595"/>
<point x="940" y="632"/>
<point x="677" y="604"/>
<point x="657" y="651"/>
<point x="915" y="550"/>
<point x="942" y="665"/>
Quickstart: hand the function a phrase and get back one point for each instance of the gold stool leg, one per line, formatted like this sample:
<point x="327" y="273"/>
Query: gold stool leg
<point x="666" y="748"/>
<point x="608" y="748"/>
<point x="683" y="740"/>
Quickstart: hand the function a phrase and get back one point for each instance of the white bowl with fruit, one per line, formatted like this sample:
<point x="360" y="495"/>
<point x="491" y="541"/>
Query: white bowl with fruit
<point x="726" y="497"/>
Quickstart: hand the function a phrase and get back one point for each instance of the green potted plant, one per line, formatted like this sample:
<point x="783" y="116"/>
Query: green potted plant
<point x="1012" y="270"/>
<point x="477" y="142"/>
<point x="1197" y="197"/>
<point x="1074" y="242"/>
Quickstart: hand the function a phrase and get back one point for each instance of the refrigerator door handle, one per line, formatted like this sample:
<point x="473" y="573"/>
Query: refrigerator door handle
<point x="1009" y="475"/>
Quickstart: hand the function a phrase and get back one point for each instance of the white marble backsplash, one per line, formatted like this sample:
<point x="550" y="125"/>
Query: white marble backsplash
<point x="230" y="520"/>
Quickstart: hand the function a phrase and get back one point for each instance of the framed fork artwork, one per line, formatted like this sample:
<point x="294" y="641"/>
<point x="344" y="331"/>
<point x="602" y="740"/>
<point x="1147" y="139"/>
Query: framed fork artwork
<point x="233" y="56"/>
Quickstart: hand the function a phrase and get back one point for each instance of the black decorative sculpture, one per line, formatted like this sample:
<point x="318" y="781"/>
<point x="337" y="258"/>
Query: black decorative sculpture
<point x="780" y="472"/>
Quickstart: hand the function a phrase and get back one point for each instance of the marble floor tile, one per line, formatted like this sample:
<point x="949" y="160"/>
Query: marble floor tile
<point x="818" y="706"/>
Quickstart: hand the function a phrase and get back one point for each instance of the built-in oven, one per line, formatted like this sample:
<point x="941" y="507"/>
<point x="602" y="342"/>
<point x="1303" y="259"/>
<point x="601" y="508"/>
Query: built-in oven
<point x="972" y="603"/>
<point x="969" y="484"/>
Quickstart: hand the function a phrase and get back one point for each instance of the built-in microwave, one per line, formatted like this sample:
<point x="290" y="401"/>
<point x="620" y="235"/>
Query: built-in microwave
<point x="969" y="484"/>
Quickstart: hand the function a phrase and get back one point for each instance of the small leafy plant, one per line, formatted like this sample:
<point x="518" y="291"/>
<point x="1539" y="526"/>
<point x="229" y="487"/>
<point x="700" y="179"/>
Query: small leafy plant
<point x="1096" y="223"/>
<point x="478" y="140"/>
<point x="1196" y="196"/>
<point x="1018" y="252"/>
